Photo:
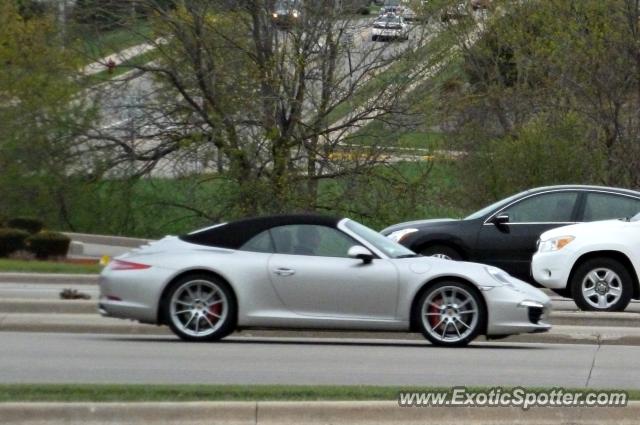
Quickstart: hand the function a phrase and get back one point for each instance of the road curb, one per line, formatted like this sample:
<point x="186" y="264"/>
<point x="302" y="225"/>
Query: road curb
<point x="49" y="306"/>
<point x="93" y="324"/>
<point x="307" y="412"/>
<point x="558" y="318"/>
<point x="595" y="319"/>
<point x="53" y="278"/>
<point x="231" y="413"/>
<point x="75" y="323"/>
<point x="119" y="241"/>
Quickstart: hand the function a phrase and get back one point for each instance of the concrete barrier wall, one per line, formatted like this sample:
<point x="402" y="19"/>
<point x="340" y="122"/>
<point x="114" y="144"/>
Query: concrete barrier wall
<point x="284" y="413"/>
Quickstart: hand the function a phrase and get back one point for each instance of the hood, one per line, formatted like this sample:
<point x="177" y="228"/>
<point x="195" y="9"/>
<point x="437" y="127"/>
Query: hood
<point x="584" y="228"/>
<point x="476" y="272"/>
<point x="416" y="223"/>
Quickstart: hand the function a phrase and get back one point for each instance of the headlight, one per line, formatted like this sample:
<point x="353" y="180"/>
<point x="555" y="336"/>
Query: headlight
<point x="275" y="15"/>
<point x="295" y="13"/>
<point x="499" y="275"/>
<point x="502" y="277"/>
<point x="555" y="244"/>
<point x="398" y="235"/>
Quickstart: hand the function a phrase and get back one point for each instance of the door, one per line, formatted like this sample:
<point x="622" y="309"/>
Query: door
<point x="314" y="276"/>
<point x="511" y="245"/>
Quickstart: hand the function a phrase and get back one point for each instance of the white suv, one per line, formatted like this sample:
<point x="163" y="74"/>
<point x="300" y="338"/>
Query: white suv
<point x="595" y="263"/>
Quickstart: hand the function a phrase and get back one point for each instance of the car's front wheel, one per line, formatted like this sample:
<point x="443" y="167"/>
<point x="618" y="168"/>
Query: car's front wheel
<point x="441" y="251"/>
<point x="450" y="314"/>
<point x="602" y="284"/>
<point x="200" y="308"/>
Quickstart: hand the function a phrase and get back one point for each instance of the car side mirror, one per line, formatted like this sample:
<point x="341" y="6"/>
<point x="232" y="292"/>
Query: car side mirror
<point x="361" y="253"/>
<point x="500" y="219"/>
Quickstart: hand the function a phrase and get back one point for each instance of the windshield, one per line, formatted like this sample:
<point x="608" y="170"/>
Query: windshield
<point x="486" y="210"/>
<point x="287" y="3"/>
<point x="388" y="20"/>
<point x="384" y="244"/>
<point x="635" y="217"/>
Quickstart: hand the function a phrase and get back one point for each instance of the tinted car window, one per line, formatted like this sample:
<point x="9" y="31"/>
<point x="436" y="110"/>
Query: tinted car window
<point x="262" y="242"/>
<point x="305" y="239"/>
<point x="605" y="206"/>
<point x="494" y="206"/>
<point x="554" y="207"/>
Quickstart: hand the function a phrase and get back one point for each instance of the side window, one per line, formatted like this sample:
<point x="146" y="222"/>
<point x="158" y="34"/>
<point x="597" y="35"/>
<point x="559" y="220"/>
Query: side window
<point x="554" y="207"/>
<point x="605" y="206"/>
<point x="259" y="243"/>
<point x="305" y="239"/>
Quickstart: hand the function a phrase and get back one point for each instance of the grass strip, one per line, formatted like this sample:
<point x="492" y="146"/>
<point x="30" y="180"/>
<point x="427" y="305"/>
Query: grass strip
<point x="176" y="393"/>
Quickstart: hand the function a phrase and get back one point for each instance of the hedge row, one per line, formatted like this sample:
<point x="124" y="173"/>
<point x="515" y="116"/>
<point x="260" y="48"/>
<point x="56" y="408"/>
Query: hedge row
<point x="28" y="224"/>
<point x="43" y="245"/>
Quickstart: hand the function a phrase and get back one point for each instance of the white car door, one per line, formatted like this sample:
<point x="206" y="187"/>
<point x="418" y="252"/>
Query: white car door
<point x="313" y="275"/>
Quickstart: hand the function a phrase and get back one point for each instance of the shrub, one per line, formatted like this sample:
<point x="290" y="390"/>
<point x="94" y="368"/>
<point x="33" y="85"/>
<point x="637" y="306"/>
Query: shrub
<point x="548" y="150"/>
<point x="48" y="244"/>
<point x="364" y="10"/>
<point x="12" y="240"/>
<point x="31" y="225"/>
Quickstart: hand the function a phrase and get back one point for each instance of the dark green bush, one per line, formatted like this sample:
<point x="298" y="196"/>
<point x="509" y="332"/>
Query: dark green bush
<point x="48" y="244"/>
<point x="28" y="224"/>
<point x="12" y="240"/>
<point x="364" y="10"/>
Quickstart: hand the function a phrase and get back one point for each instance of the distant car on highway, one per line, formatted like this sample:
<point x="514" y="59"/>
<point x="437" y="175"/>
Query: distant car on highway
<point x="505" y="233"/>
<point x="313" y="272"/>
<point x="597" y="264"/>
<point x="390" y="27"/>
<point x="287" y="12"/>
<point x="404" y="11"/>
<point x="393" y="10"/>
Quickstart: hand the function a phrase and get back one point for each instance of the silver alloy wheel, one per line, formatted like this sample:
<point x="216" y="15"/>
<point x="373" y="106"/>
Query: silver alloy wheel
<point x="199" y="308"/>
<point x="601" y="288"/>
<point x="443" y="256"/>
<point x="450" y="314"/>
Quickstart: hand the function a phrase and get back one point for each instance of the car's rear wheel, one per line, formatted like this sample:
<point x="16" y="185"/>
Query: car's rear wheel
<point x="374" y="38"/>
<point x="200" y="308"/>
<point x="602" y="284"/>
<point x="441" y="251"/>
<point x="451" y="314"/>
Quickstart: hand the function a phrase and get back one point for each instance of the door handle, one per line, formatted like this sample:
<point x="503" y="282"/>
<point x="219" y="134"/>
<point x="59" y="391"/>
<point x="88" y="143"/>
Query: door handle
<point x="282" y="271"/>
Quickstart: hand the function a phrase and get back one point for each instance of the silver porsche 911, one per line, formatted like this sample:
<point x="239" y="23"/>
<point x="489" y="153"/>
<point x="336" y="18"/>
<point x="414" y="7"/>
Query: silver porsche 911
<point x="313" y="272"/>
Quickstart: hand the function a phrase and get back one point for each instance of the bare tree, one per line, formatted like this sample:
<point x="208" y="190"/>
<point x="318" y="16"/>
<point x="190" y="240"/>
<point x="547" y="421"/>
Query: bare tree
<point x="551" y="94"/>
<point x="268" y="103"/>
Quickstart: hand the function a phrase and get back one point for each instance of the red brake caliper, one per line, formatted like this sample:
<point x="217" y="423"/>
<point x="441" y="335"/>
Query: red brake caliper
<point x="433" y="319"/>
<point x="216" y="310"/>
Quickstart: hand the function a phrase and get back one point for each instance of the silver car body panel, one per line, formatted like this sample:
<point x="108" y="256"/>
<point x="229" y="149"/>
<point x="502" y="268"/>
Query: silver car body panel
<point x="322" y="293"/>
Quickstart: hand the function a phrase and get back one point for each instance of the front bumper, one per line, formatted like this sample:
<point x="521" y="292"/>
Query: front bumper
<point x="387" y="33"/>
<point x="551" y="269"/>
<point x="513" y="312"/>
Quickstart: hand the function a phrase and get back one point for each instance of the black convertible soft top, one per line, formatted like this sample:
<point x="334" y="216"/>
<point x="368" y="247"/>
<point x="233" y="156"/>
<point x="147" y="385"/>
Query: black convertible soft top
<point x="234" y="234"/>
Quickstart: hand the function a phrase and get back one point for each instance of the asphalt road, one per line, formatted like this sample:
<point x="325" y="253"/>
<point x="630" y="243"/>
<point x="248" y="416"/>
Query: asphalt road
<point x="75" y="358"/>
